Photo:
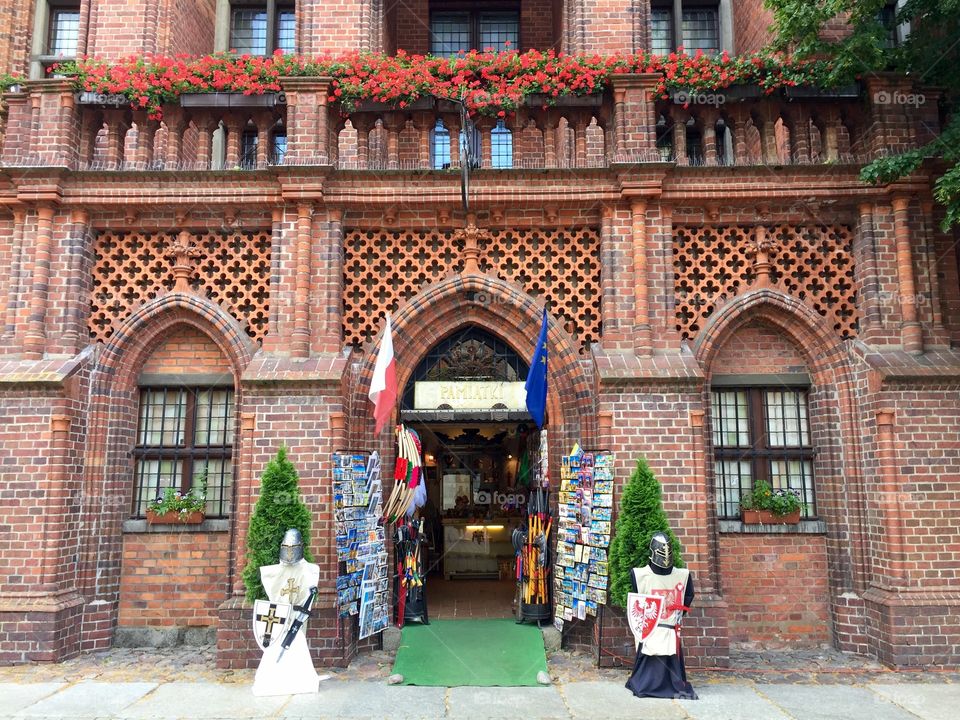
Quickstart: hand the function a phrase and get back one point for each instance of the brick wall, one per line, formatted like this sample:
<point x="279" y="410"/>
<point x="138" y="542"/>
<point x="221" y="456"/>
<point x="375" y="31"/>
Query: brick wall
<point x="751" y="23"/>
<point x="756" y="349"/>
<point x="187" y="350"/>
<point x="173" y="579"/>
<point x="776" y="589"/>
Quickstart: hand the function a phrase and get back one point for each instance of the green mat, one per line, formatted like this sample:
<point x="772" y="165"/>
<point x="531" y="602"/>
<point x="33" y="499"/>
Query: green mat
<point x="452" y="653"/>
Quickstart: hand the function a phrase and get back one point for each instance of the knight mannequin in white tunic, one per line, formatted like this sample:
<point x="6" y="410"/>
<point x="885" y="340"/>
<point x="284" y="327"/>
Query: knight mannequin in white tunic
<point x="288" y="582"/>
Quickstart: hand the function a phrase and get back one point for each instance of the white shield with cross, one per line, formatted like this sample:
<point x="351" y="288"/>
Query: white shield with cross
<point x="270" y="621"/>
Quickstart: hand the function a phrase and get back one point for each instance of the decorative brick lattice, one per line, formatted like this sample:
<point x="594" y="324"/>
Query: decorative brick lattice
<point x="133" y="268"/>
<point x="384" y="268"/>
<point x="811" y="262"/>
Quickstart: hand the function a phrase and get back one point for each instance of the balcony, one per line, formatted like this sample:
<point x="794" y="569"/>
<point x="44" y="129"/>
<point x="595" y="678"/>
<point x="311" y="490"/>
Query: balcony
<point x="48" y="125"/>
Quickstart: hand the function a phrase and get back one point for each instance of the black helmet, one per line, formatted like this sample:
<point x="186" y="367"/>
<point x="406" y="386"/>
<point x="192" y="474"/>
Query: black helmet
<point x="660" y="554"/>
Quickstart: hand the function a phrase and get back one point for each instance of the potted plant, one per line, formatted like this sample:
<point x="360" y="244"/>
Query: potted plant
<point x="768" y="506"/>
<point x="175" y="507"/>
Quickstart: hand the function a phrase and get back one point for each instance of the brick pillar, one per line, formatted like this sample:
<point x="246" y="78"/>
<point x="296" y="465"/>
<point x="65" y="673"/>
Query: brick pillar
<point x="865" y="255"/>
<point x="232" y="155"/>
<point x="307" y="125"/>
<point x="890" y="496"/>
<point x="55" y="123"/>
<point x="393" y="123"/>
<point x="929" y="244"/>
<point x="35" y="338"/>
<point x="57" y="500"/>
<point x="301" y="309"/>
<point x="10" y="340"/>
<point x="18" y="131"/>
<point x="611" y="321"/>
<point x="699" y="460"/>
<point x="768" y="142"/>
<point x="363" y="126"/>
<point x="272" y="340"/>
<point x="117" y="126"/>
<point x="633" y="100"/>
<point x="75" y="335"/>
<point x="642" y="336"/>
<point x="328" y="284"/>
<point x="424" y="122"/>
<point x="176" y="123"/>
<point x="911" y="333"/>
<point x="709" y="135"/>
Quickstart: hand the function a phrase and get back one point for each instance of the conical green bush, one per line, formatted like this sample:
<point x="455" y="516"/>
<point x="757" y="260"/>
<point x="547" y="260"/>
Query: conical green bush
<point x="641" y="515"/>
<point x="278" y="509"/>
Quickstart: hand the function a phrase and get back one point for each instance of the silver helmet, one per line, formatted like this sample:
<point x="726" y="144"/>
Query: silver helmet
<point x="660" y="554"/>
<point x="291" y="547"/>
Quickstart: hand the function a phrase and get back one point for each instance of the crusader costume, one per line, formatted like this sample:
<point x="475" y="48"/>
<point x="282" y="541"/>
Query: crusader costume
<point x="286" y="667"/>
<point x="661" y="594"/>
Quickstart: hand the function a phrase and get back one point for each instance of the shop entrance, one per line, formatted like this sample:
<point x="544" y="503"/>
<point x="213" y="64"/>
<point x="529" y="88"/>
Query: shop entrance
<point x="466" y="402"/>
<point x="477" y="475"/>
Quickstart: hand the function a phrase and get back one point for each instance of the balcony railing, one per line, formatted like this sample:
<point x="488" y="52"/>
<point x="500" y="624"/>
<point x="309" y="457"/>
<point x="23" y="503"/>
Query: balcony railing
<point x="48" y="125"/>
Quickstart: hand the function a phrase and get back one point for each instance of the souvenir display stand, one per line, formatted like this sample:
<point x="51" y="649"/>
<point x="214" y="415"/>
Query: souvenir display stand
<point x="531" y="543"/>
<point x="584" y="520"/>
<point x="362" y="581"/>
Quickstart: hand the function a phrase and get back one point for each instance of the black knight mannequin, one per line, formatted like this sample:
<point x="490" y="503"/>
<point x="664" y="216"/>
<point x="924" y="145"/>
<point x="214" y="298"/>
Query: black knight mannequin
<point x="661" y="595"/>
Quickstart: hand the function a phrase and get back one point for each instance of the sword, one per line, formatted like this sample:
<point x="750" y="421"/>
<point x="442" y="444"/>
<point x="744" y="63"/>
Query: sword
<point x="303" y="613"/>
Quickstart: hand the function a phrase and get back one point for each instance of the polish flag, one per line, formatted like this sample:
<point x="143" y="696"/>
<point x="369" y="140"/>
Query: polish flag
<point x="383" y="387"/>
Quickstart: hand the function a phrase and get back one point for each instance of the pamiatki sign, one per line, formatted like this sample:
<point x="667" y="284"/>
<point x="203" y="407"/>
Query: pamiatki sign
<point x="469" y="395"/>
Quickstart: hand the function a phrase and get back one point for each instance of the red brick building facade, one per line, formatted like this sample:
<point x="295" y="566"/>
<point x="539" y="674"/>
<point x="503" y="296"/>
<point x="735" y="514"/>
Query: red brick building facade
<point x="725" y="295"/>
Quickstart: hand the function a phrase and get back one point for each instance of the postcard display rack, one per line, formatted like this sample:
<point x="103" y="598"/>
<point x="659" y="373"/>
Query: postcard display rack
<point x="362" y="582"/>
<point x="583" y="536"/>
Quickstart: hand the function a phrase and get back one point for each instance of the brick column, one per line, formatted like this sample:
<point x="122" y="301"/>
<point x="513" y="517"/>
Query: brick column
<point x="328" y="283"/>
<point x="911" y="333"/>
<point x="609" y="304"/>
<point x="700" y="501"/>
<point x="301" y="309"/>
<point x="865" y="255"/>
<point x="635" y="137"/>
<point x="35" y="338"/>
<point x="245" y="499"/>
<point x="642" y="336"/>
<point x="890" y="495"/>
<point x="307" y="125"/>
<point x="10" y="340"/>
<point x="926" y="219"/>
<point x="74" y="335"/>
<point x="56" y="500"/>
<point x="272" y="341"/>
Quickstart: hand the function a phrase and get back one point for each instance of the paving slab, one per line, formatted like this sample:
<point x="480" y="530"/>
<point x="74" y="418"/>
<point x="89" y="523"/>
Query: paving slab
<point x="508" y="703"/>
<point x="832" y="702"/>
<point x="17" y="696"/>
<point x="88" y="699"/>
<point x="613" y="701"/>
<point x="925" y="700"/>
<point x="348" y="699"/>
<point x="203" y="701"/>
<point x="730" y="701"/>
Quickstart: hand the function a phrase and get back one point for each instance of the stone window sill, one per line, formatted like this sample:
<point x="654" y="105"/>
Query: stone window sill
<point x="141" y="526"/>
<point x="804" y="527"/>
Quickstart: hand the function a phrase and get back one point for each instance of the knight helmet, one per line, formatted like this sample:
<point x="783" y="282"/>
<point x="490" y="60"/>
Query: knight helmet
<point x="291" y="547"/>
<point x="660" y="554"/>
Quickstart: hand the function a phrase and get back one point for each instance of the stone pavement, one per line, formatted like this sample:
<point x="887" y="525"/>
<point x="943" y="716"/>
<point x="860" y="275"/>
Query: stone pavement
<point x="183" y="683"/>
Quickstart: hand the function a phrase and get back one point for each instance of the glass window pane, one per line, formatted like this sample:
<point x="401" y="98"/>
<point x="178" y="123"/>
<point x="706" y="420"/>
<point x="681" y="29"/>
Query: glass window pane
<point x="248" y="149"/>
<point x="795" y="475"/>
<point x="286" y="39"/>
<point x="279" y="148"/>
<point x="701" y="31"/>
<point x="64" y="32"/>
<point x="153" y="476"/>
<point x="733" y="479"/>
<point x="449" y="33"/>
<point x="441" y="146"/>
<point x="214" y="423"/>
<point x="219" y="484"/>
<point x="787" y="422"/>
<point x="661" y="31"/>
<point x="501" y="145"/>
<point x="161" y="417"/>
<point x="248" y="31"/>
<point x="499" y="31"/>
<point x="731" y="419"/>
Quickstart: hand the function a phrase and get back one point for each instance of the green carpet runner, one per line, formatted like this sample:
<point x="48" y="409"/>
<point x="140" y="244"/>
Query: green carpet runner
<point x="485" y="653"/>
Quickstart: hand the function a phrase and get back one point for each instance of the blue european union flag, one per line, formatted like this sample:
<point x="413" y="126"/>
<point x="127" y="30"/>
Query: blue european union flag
<point x="536" y="385"/>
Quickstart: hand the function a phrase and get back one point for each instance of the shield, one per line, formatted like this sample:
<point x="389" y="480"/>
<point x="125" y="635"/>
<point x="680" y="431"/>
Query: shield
<point x="643" y="614"/>
<point x="270" y="621"/>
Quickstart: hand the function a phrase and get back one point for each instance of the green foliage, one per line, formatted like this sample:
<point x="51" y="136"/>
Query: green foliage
<point x="172" y="500"/>
<point x="278" y="509"/>
<point x="641" y="515"/>
<point x="7" y="81"/>
<point x="764" y="497"/>
<point x="930" y="55"/>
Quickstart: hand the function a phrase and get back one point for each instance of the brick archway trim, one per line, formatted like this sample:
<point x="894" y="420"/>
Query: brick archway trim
<point x="501" y="308"/>
<point x="826" y="357"/>
<point x="136" y="337"/>
<point x="111" y="424"/>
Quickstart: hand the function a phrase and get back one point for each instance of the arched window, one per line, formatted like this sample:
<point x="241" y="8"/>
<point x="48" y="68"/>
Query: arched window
<point x="501" y="145"/>
<point x="440" y="147"/>
<point x="468" y="354"/>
